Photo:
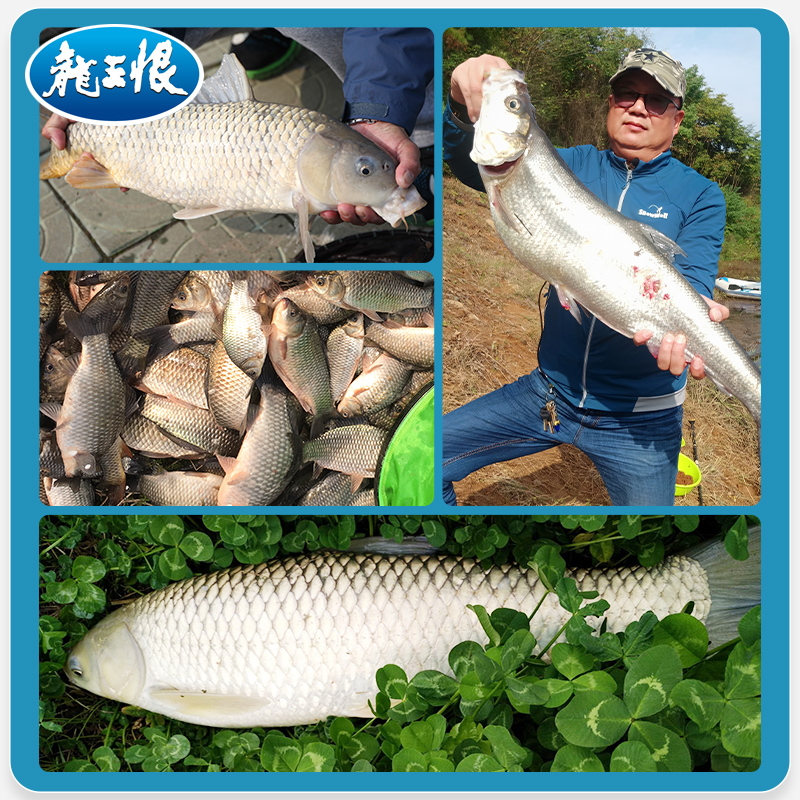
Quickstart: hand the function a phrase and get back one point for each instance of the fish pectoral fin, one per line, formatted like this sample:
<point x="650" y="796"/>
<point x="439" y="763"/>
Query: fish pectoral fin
<point x="510" y="219"/>
<point x="206" y="704"/>
<point x="360" y="706"/>
<point x="663" y="243"/>
<point x="194" y="213"/>
<point x="568" y="302"/>
<point x="300" y="203"/>
<point x="51" y="410"/>
<point x="86" y="173"/>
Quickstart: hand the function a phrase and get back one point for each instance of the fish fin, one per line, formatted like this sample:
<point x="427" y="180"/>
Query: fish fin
<point x="429" y="320"/>
<point x="228" y="463"/>
<point x="663" y="243"/>
<point x="227" y="85"/>
<point x="497" y="202"/>
<point x="87" y="173"/>
<point x="217" y="707"/>
<point x="51" y="410"/>
<point x="360" y="706"/>
<point x="408" y="545"/>
<point x="373" y="315"/>
<point x="194" y="213"/>
<point x="83" y="325"/>
<point x="735" y="586"/>
<point x="300" y="203"/>
<point x="355" y="483"/>
<point x="568" y="302"/>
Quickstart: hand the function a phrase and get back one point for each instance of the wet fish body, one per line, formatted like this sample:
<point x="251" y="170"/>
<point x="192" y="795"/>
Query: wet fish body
<point x="228" y="152"/>
<point x="353" y="449"/>
<point x="268" y="457"/>
<point x="376" y="387"/>
<point x="89" y="422"/>
<point x="242" y="331"/>
<point x="179" y="376"/>
<point x="298" y="355"/>
<point x="294" y="641"/>
<point x="370" y="292"/>
<point x="228" y="390"/>
<point x="618" y="269"/>
<point x="410" y="344"/>
<point x="180" y="488"/>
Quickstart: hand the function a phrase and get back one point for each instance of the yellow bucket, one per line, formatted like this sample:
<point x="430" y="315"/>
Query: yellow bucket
<point x="687" y="467"/>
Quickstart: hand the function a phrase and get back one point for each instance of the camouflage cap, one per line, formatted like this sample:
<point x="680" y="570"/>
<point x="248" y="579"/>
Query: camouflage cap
<point x="662" y="66"/>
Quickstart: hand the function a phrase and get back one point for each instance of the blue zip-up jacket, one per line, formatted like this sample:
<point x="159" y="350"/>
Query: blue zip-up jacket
<point x="589" y="364"/>
<point x="388" y="70"/>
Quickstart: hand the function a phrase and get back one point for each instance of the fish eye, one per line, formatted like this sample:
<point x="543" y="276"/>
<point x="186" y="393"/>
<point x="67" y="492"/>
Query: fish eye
<point x="513" y="103"/>
<point x="364" y="166"/>
<point x="74" y="666"/>
<point x="49" y="367"/>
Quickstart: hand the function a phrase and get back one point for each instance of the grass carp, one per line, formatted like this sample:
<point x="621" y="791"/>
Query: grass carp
<point x="226" y="151"/>
<point x="296" y="640"/>
<point x="618" y="269"/>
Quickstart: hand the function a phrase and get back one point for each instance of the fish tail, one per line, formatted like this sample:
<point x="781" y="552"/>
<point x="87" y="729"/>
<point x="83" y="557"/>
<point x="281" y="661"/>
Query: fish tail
<point x="735" y="586"/>
<point x="83" y="325"/>
<point x="57" y="165"/>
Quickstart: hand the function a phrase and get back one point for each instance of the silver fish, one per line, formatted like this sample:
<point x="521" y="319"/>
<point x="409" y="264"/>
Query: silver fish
<point x="179" y="488"/>
<point x="297" y="640"/>
<point x="616" y="268"/>
<point x="269" y="455"/>
<point x="353" y="449"/>
<point x="227" y="151"/>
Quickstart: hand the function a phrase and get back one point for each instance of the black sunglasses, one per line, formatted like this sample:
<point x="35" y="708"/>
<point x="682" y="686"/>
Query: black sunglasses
<point x="654" y="103"/>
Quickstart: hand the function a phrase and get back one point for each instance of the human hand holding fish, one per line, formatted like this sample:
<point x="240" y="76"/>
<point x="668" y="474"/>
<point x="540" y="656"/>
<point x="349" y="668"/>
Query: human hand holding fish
<point x="55" y="131"/>
<point x="466" y="82"/>
<point x="397" y="143"/>
<point x="672" y="350"/>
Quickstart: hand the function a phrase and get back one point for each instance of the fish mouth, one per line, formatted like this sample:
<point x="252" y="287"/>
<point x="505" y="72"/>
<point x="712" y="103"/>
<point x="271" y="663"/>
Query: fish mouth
<point x="500" y="169"/>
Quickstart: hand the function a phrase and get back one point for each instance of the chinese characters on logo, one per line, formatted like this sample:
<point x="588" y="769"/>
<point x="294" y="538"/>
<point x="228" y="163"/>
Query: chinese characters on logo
<point x="159" y="74"/>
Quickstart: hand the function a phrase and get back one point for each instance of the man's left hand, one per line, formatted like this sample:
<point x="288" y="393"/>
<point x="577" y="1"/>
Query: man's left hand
<point x="672" y="351"/>
<point x="396" y="142"/>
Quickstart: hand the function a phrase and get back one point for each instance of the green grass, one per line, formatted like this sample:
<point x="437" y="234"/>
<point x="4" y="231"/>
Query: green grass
<point x="503" y="708"/>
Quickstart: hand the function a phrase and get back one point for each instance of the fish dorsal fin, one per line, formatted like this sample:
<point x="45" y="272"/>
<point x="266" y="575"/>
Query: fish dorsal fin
<point x="378" y="545"/>
<point x="212" y="708"/>
<point x="663" y="243"/>
<point x="229" y="84"/>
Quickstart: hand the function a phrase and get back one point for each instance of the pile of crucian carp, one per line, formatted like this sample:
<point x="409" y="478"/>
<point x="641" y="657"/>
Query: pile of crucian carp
<point x="226" y="387"/>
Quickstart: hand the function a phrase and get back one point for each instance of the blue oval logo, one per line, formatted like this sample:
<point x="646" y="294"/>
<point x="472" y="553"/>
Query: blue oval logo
<point x="114" y="74"/>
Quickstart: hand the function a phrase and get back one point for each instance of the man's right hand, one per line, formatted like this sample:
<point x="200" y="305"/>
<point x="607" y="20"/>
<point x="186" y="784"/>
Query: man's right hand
<point x="466" y="82"/>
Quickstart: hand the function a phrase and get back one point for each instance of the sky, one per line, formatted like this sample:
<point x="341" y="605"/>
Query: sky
<point x="728" y="58"/>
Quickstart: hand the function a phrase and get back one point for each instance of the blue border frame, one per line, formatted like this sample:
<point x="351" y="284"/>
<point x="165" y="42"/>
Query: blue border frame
<point x="773" y="509"/>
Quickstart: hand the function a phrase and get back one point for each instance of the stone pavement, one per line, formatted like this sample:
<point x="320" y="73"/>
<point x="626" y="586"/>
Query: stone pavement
<point x="106" y="225"/>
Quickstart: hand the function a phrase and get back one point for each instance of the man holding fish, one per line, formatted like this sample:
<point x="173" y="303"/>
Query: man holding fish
<point x="593" y="386"/>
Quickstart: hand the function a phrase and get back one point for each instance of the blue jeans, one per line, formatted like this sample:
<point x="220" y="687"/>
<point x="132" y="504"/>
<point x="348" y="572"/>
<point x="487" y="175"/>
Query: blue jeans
<point x="636" y="454"/>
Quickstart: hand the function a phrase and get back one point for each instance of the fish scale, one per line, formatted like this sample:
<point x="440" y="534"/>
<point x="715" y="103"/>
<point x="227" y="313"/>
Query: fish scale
<point x="294" y="641"/>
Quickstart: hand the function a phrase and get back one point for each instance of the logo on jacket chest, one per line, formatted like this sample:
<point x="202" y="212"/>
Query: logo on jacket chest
<point x="653" y="211"/>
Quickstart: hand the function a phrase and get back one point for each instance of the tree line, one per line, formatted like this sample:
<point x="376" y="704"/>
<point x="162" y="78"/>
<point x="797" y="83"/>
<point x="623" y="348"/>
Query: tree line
<point x="567" y="71"/>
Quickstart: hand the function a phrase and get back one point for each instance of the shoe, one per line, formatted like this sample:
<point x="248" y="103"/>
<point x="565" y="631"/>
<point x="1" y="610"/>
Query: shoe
<point x="264" y="52"/>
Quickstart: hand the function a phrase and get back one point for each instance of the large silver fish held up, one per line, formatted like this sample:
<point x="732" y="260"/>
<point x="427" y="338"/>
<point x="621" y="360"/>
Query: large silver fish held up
<point x="618" y="269"/>
<point x="227" y="151"/>
<point x="296" y="640"/>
